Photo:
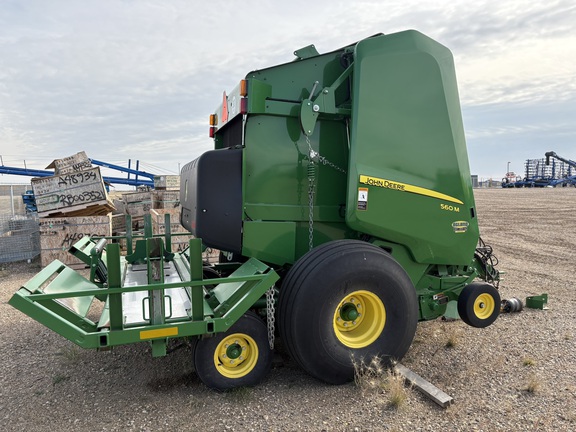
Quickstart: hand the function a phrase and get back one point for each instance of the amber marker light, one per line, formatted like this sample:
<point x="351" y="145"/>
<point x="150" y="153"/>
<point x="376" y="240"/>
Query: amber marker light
<point x="244" y="88"/>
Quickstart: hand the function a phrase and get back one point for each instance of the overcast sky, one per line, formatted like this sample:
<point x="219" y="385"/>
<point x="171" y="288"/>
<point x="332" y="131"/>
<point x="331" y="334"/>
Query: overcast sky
<point x="126" y="79"/>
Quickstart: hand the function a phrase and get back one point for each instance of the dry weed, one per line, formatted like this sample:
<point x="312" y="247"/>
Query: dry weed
<point x="59" y="379"/>
<point x="529" y="361"/>
<point x="533" y="385"/>
<point x="376" y="380"/>
<point x="71" y="353"/>
<point x="452" y="340"/>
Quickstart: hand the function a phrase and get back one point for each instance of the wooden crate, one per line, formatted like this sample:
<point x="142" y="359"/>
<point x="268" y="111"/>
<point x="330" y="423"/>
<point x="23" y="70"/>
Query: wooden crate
<point x="70" y="164"/>
<point x="164" y="199"/>
<point x="179" y="243"/>
<point x="158" y="221"/>
<point x="120" y="206"/>
<point x="137" y="204"/>
<point x="77" y="194"/>
<point x="167" y="182"/>
<point x="135" y="197"/>
<point x="58" y="234"/>
<point x="211" y="255"/>
<point x="118" y="223"/>
<point x="138" y="209"/>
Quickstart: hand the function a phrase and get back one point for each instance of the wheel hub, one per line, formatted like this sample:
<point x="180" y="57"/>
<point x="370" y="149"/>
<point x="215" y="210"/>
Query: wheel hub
<point x="236" y="355"/>
<point x="359" y="319"/>
<point x="233" y="351"/>
<point x="348" y="312"/>
<point x="484" y="306"/>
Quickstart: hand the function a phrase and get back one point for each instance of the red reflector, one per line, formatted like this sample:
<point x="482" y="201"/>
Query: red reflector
<point x="224" y="118"/>
<point x="243" y="105"/>
<point x="212" y="132"/>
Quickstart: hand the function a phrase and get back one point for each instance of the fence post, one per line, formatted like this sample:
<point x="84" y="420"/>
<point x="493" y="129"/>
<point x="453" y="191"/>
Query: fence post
<point x="12" y="199"/>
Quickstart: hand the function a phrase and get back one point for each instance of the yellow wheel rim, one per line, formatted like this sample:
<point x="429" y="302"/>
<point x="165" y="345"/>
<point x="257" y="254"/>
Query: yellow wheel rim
<point x="484" y="306"/>
<point x="359" y="319"/>
<point x="236" y="355"/>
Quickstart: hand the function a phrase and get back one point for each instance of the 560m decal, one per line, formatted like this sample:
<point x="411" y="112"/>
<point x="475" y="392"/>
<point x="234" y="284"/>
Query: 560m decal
<point x="404" y="187"/>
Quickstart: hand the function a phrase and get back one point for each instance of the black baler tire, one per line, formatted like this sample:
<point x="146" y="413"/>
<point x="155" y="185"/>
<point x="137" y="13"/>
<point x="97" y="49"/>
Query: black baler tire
<point x="467" y="299"/>
<point x="249" y="324"/>
<point x="312" y="291"/>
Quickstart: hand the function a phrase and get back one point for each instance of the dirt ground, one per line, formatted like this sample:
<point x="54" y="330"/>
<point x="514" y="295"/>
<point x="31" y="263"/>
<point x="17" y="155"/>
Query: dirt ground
<point x="517" y="375"/>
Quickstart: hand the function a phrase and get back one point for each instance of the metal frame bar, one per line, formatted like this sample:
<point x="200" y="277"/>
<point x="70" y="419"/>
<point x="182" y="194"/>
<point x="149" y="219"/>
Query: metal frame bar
<point x="234" y="296"/>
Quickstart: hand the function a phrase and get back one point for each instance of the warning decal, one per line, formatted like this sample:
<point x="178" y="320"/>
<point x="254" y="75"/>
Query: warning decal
<point x="362" y="198"/>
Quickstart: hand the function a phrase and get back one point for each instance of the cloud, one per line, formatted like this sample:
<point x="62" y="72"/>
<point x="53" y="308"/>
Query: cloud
<point x="125" y="79"/>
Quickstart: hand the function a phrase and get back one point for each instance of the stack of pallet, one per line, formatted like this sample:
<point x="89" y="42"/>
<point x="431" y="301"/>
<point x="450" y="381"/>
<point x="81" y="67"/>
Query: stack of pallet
<point x="179" y="242"/>
<point x="166" y="195"/>
<point x="164" y="199"/>
<point x="72" y="203"/>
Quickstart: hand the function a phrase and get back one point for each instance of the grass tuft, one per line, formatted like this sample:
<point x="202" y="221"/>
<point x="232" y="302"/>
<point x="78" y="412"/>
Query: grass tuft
<point x="533" y="385"/>
<point x="529" y="361"/>
<point x="374" y="379"/>
<point x="59" y="379"/>
<point x="72" y="354"/>
<point x="452" y="340"/>
<point x="397" y="394"/>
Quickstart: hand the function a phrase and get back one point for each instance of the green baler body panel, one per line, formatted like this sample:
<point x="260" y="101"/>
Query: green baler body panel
<point x="276" y="183"/>
<point x="406" y="129"/>
<point x="397" y="168"/>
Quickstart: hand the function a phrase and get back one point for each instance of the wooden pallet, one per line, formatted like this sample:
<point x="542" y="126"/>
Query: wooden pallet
<point x="99" y="208"/>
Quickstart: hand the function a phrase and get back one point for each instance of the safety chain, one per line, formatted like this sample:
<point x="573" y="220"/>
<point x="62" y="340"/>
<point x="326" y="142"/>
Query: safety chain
<point x="270" y="318"/>
<point x="311" y="180"/>
<point x="316" y="157"/>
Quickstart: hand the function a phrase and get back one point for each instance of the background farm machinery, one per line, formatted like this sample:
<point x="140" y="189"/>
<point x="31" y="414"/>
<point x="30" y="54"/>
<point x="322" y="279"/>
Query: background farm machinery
<point x="551" y="171"/>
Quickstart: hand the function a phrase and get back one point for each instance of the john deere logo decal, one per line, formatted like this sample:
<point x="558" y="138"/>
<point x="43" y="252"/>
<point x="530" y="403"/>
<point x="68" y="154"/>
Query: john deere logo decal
<point x="404" y="187"/>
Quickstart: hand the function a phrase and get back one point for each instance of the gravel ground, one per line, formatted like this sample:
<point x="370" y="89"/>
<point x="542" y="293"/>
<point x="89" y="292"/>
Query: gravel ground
<point x="518" y="374"/>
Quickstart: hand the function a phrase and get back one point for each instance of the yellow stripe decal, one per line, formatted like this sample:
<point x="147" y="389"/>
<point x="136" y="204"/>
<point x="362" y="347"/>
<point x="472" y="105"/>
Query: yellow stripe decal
<point x="403" y="187"/>
<point x="153" y="334"/>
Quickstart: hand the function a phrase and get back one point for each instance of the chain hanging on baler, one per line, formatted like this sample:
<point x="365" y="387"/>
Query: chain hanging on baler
<point x="311" y="185"/>
<point x="313" y="157"/>
<point x="270" y="318"/>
